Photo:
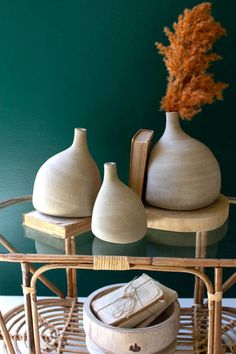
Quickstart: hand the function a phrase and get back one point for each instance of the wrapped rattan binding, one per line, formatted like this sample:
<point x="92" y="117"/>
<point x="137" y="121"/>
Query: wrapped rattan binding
<point x="217" y="296"/>
<point x="110" y="263"/>
<point x="28" y="290"/>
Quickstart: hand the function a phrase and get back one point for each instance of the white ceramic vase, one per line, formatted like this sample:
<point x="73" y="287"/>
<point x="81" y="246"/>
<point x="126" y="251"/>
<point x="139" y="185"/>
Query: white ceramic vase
<point x="118" y="215"/>
<point x="67" y="184"/>
<point x="182" y="173"/>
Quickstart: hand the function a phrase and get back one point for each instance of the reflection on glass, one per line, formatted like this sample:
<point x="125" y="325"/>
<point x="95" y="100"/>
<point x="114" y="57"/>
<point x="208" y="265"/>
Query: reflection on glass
<point x="176" y="244"/>
<point x="159" y="250"/>
<point x="83" y="243"/>
<point x="47" y="244"/>
<point x="43" y="248"/>
<point x="186" y="239"/>
<point x="134" y="249"/>
<point x="155" y="243"/>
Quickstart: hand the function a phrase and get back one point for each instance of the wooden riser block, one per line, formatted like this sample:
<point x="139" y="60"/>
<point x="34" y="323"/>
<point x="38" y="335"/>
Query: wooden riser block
<point x="57" y="226"/>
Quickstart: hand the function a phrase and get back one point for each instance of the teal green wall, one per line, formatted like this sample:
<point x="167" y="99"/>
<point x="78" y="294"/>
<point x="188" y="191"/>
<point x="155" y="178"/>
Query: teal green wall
<point x="93" y="64"/>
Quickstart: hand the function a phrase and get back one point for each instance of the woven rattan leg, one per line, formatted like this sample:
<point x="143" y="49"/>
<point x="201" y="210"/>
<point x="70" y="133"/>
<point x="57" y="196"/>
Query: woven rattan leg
<point x="211" y="306"/>
<point x="74" y="279"/>
<point x="71" y="273"/>
<point x="6" y="336"/>
<point x="28" y="313"/>
<point x="35" y="319"/>
<point x="201" y="247"/>
<point x="217" y="311"/>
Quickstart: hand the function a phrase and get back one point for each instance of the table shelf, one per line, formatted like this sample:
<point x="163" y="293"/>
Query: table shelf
<point x="61" y="326"/>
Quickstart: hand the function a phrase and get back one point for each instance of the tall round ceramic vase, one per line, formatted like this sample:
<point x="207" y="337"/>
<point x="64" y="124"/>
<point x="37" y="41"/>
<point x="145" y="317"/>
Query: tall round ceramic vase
<point x="182" y="173"/>
<point x="118" y="215"/>
<point x="67" y="184"/>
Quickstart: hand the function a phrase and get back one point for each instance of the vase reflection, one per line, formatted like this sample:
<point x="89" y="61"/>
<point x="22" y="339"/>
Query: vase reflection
<point x="186" y="239"/>
<point x="136" y="249"/>
<point x="155" y="244"/>
<point x="176" y="244"/>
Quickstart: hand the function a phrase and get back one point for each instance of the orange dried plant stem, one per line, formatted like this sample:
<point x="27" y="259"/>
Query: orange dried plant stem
<point x="187" y="58"/>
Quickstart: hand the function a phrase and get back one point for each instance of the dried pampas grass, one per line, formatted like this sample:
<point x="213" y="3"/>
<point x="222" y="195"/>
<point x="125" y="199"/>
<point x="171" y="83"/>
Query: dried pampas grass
<point x="187" y="59"/>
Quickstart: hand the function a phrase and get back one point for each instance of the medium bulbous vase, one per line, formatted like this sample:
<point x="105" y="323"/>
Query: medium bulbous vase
<point x="67" y="184"/>
<point x="118" y="215"/>
<point x="182" y="173"/>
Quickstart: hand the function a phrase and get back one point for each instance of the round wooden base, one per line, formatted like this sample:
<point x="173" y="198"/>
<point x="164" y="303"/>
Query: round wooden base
<point x="200" y="220"/>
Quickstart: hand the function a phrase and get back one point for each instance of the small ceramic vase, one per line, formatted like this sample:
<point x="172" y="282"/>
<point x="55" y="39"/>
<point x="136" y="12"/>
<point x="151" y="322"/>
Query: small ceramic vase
<point x="182" y="173"/>
<point x="67" y="184"/>
<point x="118" y="215"/>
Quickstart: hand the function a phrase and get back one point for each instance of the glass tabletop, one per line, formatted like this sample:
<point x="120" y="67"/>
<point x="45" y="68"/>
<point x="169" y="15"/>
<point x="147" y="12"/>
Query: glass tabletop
<point x="221" y="242"/>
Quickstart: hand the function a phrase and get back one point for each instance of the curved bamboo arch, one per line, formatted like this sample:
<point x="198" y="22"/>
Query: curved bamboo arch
<point x="47" y="267"/>
<point x="192" y="271"/>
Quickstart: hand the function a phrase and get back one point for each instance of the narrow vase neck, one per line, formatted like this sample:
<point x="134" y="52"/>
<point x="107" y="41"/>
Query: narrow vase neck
<point x="110" y="171"/>
<point x="80" y="139"/>
<point x="173" y="129"/>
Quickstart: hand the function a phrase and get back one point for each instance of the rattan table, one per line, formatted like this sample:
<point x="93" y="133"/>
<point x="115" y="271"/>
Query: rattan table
<point x="56" y="325"/>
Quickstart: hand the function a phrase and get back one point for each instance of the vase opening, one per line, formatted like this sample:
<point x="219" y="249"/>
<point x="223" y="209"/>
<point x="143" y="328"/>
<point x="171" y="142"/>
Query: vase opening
<point x="172" y="113"/>
<point x="80" y="132"/>
<point x="173" y="128"/>
<point x="172" y="116"/>
<point x="110" y="170"/>
<point x="83" y="130"/>
<point x="80" y="139"/>
<point x="109" y="163"/>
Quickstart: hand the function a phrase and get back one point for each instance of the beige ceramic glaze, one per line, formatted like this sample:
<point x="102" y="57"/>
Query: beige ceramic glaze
<point x="182" y="172"/>
<point x="67" y="184"/>
<point x="103" y="338"/>
<point x="118" y="215"/>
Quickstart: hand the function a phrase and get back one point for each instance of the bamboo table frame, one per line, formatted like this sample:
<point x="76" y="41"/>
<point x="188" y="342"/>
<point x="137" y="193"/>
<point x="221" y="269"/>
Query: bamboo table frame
<point x="214" y="290"/>
<point x="72" y="262"/>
